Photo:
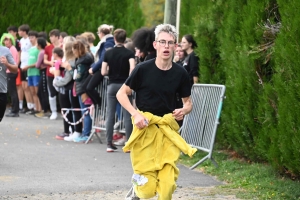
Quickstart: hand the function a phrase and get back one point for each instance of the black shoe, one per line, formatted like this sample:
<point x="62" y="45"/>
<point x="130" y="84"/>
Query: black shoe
<point x="12" y="115"/>
<point x="111" y="147"/>
<point x="23" y="111"/>
<point x="30" y="112"/>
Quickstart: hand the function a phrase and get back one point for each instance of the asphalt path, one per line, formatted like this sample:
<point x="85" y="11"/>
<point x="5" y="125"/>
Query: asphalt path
<point x="33" y="162"/>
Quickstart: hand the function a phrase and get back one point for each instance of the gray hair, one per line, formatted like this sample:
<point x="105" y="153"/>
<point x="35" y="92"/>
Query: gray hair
<point x="168" y="28"/>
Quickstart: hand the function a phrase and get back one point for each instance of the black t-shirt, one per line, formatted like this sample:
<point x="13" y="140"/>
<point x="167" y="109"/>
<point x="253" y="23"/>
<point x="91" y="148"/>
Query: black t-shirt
<point x="156" y="89"/>
<point x="191" y="64"/>
<point x="18" y="45"/>
<point x="117" y="59"/>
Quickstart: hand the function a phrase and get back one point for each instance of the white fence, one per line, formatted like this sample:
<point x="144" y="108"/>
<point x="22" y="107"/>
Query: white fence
<point x="200" y="126"/>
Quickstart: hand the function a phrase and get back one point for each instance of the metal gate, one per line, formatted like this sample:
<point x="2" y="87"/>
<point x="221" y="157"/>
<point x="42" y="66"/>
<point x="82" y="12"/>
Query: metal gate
<point x="200" y="126"/>
<point x="99" y="114"/>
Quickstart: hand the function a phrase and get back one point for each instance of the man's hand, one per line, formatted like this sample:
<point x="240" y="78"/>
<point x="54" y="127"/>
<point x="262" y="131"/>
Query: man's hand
<point x="140" y="121"/>
<point x="91" y="71"/>
<point x="3" y="60"/>
<point x="25" y="68"/>
<point x="178" y="114"/>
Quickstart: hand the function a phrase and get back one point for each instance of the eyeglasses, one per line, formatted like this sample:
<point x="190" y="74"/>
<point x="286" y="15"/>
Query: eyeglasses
<point x="164" y="42"/>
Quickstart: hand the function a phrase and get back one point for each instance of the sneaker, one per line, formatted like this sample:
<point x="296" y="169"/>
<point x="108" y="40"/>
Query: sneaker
<point x="53" y="116"/>
<point x="71" y="137"/>
<point x="12" y="114"/>
<point x="81" y="139"/>
<point x="131" y="195"/>
<point x="111" y="148"/>
<point x="30" y="112"/>
<point x="23" y="111"/>
<point x="61" y="136"/>
<point x="40" y="114"/>
<point x="117" y="125"/>
<point x="120" y="142"/>
<point x="116" y="137"/>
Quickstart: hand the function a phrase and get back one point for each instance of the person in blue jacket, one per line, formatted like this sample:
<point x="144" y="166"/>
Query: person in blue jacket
<point x="95" y="78"/>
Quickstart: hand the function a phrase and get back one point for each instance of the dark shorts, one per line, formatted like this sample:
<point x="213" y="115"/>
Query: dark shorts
<point x="24" y="75"/>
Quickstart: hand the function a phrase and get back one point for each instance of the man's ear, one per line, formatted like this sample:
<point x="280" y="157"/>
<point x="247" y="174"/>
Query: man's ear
<point x="154" y="44"/>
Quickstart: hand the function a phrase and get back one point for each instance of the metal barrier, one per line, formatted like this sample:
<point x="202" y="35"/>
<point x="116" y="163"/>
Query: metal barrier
<point x="200" y="126"/>
<point x="99" y="114"/>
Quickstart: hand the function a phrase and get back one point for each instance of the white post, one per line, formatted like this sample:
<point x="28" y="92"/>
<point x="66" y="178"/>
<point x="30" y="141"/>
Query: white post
<point x="178" y="18"/>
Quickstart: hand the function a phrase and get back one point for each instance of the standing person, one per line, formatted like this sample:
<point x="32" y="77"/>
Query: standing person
<point x="155" y="143"/>
<point x="25" y="46"/>
<point x="118" y="63"/>
<point x="80" y="72"/>
<point x="191" y="62"/>
<point x="90" y="38"/>
<point x="62" y="35"/>
<point x="143" y="39"/>
<point x="9" y="41"/>
<point x="66" y="98"/>
<point x="33" y="73"/>
<point x="42" y="87"/>
<point x="6" y="62"/>
<point x="49" y="61"/>
<point x="14" y="31"/>
<point x="106" y="42"/>
<point x="180" y="55"/>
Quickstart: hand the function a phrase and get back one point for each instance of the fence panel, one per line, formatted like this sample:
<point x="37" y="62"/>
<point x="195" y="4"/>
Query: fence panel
<point x="99" y="114"/>
<point x="200" y="126"/>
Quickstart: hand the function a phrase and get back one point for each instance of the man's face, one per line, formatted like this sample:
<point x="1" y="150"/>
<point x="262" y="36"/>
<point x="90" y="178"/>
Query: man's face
<point x="21" y="33"/>
<point x="164" y="45"/>
<point x="54" y="39"/>
<point x="32" y="40"/>
<point x="13" y="33"/>
<point x="179" y="52"/>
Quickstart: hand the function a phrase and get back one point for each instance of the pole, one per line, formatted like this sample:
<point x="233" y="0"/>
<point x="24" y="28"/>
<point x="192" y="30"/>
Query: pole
<point x="178" y="18"/>
<point x="170" y="12"/>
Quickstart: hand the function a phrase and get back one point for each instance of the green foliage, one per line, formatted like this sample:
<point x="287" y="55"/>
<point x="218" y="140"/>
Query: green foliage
<point x="238" y="47"/>
<point x="153" y="12"/>
<point x="71" y="16"/>
<point x="246" y="180"/>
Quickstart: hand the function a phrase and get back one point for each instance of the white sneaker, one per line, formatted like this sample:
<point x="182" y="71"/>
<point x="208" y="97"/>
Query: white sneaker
<point x="72" y="137"/>
<point x="53" y="116"/>
<point x="120" y="142"/>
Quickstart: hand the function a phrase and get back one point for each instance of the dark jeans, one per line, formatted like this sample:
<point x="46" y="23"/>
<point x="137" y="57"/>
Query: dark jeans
<point x="43" y="91"/>
<point x="67" y="100"/>
<point x="12" y="90"/>
<point x="112" y="101"/>
<point x="3" y="101"/>
<point x="94" y="81"/>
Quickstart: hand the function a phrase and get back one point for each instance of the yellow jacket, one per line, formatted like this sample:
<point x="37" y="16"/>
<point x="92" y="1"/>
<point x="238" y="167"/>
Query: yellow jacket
<point x="156" y="144"/>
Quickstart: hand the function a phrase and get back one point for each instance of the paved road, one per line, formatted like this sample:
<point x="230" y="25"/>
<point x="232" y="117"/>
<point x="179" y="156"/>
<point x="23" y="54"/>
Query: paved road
<point x="33" y="162"/>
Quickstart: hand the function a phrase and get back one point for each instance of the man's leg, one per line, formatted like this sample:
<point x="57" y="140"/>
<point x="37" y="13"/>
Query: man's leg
<point x="52" y="98"/>
<point x="94" y="81"/>
<point x="166" y="182"/>
<point x="12" y="89"/>
<point x="3" y="101"/>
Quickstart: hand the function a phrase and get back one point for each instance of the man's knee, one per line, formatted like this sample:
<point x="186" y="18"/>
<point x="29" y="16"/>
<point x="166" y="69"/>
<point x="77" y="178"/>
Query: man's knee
<point x="146" y="191"/>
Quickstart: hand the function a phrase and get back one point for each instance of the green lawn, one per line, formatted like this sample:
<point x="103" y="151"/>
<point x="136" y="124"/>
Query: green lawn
<point x="246" y="180"/>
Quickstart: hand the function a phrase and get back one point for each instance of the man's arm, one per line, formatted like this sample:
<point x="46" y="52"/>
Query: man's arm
<point x="9" y="63"/>
<point x="139" y="120"/>
<point x="131" y="64"/>
<point x="104" y="68"/>
<point x="186" y="109"/>
<point x="46" y="60"/>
